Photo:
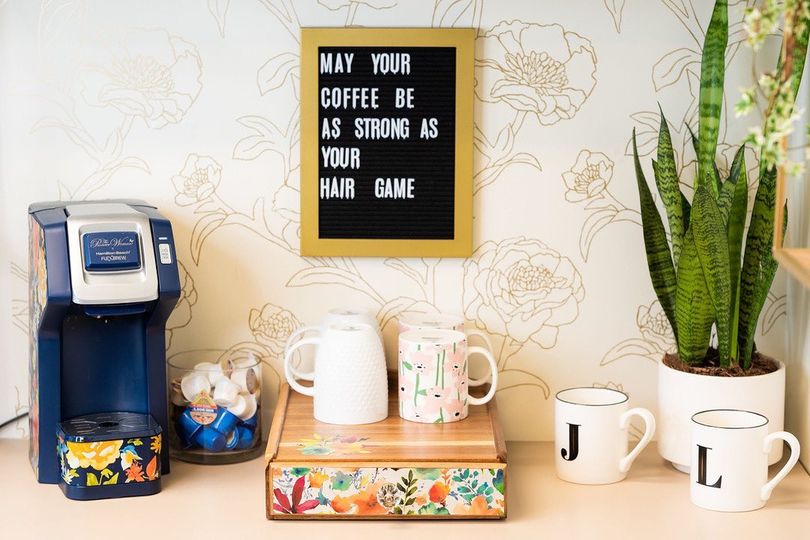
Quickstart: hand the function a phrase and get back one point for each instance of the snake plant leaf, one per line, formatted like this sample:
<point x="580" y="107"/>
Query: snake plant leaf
<point x="709" y="233"/>
<point x="729" y="187"/>
<point x="697" y="153"/>
<point x="759" y="266"/>
<point x="659" y="259"/>
<point x="735" y="228"/>
<point x="694" y="311"/>
<point x="666" y="179"/>
<point x="710" y="101"/>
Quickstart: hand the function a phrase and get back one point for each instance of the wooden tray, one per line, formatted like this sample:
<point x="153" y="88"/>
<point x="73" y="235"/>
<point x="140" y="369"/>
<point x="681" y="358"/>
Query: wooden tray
<point x="393" y="469"/>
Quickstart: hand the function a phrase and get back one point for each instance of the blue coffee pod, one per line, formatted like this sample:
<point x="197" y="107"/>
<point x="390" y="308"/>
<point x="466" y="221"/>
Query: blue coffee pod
<point x="187" y="427"/>
<point x="210" y="439"/>
<point x="245" y="438"/>
<point x="225" y="421"/>
<point x="232" y="441"/>
<point x="250" y="423"/>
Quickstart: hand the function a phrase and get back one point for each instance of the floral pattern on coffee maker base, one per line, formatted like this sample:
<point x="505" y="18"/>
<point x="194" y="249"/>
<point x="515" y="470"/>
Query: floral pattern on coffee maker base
<point x="380" y="491"/>
<point x="104" y="463"/>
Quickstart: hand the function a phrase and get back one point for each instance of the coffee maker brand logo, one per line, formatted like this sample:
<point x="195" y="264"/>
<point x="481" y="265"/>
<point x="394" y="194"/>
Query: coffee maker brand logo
<point x="124" y="241"/>
<point x="113" y="250"/>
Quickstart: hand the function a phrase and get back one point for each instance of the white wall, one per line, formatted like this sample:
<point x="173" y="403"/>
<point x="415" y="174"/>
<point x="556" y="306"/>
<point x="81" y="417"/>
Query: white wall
<point x="144" y="99"/>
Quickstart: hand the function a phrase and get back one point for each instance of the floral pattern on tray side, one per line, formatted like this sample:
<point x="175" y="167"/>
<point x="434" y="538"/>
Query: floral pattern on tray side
<point x="370" y="491"/>
<point x="102" y="463"/>
<point x="335" y="445"/>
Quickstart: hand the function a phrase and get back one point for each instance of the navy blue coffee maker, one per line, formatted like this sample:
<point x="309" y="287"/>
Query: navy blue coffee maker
<point x="103" y="283"/>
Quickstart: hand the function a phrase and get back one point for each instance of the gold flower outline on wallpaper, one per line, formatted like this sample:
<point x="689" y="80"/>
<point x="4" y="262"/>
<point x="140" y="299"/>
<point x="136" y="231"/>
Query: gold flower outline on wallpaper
<point x="152" y="75"/>
<point x="197" y="180"/>
<point x="539" y="69"/>
<point x="656" y="337"/>
<point x="272" y="325"/>
<point x="528" y="70"/>
<point x="181" y="315"/>
<point x="523" y="291"/>
<point x="587" y="181"/>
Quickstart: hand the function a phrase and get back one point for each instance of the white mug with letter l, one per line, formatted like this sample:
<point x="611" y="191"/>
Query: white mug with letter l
<point x="591" y="435"/>
<point x="730" y="450"/>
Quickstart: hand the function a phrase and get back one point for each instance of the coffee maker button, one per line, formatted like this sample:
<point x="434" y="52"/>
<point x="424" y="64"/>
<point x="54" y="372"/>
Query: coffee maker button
<point x="165" y="253"/>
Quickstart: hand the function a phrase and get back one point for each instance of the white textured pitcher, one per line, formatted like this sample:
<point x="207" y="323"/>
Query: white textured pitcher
<point x="350" y="381"/>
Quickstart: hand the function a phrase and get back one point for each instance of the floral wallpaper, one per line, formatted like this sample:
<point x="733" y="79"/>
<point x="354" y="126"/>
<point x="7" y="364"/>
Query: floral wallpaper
<point x="193" y="106"/>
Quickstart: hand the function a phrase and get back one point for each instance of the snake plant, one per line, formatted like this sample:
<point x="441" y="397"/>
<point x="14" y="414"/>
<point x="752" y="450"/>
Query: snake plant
<point x="703" y="274"/>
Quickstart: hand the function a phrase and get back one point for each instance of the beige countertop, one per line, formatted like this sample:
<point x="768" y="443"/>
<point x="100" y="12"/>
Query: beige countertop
<point x="227" y="502"/>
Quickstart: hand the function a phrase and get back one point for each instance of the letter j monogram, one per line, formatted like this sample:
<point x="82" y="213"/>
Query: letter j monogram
<point x="573" y="443"/>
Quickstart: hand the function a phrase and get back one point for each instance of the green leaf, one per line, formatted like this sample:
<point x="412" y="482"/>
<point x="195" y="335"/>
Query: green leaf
<point x="736" y="228"/>
<point x="710" y="102"/>
<point x="709" y="232"/>
<point x="407" y="365"/>
<point x="759" y="266"/>
<point x="113" y="480"/>
<point x="728" y="189"/>
<point x="666" y="179"/>
<point x="659" y="260"/>
<point x="694" y="310"/>
<point x="92" y="480"/>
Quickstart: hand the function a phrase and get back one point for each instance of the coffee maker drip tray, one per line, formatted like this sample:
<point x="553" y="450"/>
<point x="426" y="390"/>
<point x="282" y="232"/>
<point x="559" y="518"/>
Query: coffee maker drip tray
<point x="112" y="454"/>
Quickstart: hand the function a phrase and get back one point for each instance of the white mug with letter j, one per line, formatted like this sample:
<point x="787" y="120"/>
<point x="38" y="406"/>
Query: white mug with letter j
<point x="591" y="434"/>
<point x="730" y="450"/>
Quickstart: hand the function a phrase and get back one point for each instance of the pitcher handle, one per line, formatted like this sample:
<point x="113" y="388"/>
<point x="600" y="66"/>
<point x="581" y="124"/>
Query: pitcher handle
<point x="288" y="372"/>
<point x="294" y="369"/>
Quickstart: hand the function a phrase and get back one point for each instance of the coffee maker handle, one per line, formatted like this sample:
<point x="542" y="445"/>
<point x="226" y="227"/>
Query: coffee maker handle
<point x="488" y="343"/>
<point x="299" y="332"/>
<point x="793" y="442"/>
<point x="288" y="371"/>
<point x="493" y="366"/>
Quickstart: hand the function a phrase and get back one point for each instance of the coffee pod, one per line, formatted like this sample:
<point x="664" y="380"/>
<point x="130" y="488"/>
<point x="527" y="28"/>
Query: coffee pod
<point x="246" y="378"/>
<point x="251" y="422"/>
<point x="244" y="407"/>
<point x="176" y="393"/>
<point x="187" y="427"/>
<point x="192" y="384"/>
<point x="210" y="439"/>
<point x="245" y="438"/>
<point x="225" y="421"/>
<point x="214" y="372"/>
<point x="232" y="440"/>
<point x="225" y="392"/>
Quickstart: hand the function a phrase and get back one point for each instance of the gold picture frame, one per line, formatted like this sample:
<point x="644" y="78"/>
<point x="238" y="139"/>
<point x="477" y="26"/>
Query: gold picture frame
<point x="463" y="40"/>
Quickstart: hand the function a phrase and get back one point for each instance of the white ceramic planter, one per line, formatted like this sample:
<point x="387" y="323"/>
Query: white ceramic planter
<point x="680" y="395"/>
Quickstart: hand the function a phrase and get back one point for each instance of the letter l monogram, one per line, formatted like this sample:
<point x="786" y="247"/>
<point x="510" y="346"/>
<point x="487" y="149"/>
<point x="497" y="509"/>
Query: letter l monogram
<point x="702" y="455"/>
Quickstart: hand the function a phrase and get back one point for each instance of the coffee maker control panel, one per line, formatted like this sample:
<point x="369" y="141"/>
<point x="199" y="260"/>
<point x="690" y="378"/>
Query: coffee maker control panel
<point x="111" y="254"/>
<point x="111" y="251"/>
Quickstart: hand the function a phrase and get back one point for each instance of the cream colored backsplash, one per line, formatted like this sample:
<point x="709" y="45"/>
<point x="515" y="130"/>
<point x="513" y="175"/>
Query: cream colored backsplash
<point x="192" y="106"/>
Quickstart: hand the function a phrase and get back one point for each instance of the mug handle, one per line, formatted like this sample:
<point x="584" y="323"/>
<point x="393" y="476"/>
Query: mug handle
<point x="494" y="373"/>
<point x="288" y="371"/>
<point x="294" y="369"/>
<point x="488" y="343"/>
<point x="649" y="431"/>
<point x="793" y="442"/>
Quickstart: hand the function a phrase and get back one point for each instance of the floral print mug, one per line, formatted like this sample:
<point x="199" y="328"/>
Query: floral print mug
<point x="433" y="376"/>
<point x="443" y="321"/>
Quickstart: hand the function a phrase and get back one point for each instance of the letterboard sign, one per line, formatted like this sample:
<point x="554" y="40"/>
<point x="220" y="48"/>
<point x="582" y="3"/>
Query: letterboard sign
<point x="386" y="142"/>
